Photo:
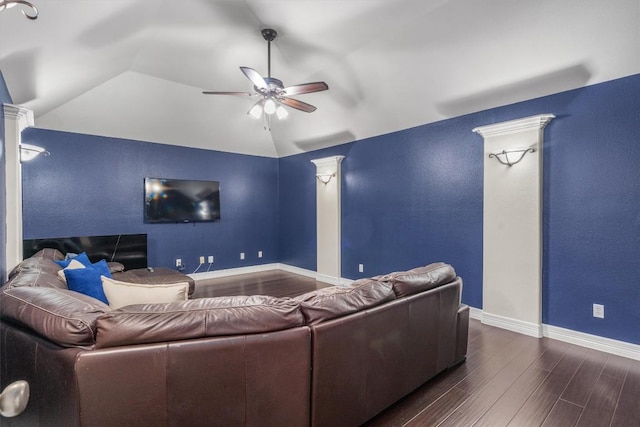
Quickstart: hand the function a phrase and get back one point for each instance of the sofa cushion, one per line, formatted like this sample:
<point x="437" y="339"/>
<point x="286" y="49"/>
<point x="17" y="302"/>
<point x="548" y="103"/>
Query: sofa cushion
<point x="120" y="294"/>
<point x="87" y="281"/>
<point x="198" y="318"/>
<point x="328" y="303"/>
<point x="62" y="316"/>
<point x="419" y="279"/>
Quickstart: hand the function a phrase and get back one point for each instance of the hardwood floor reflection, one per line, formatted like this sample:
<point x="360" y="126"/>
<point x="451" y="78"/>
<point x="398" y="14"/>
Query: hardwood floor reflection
<point x="508" y="379"/>
<point x="275" y="283"/>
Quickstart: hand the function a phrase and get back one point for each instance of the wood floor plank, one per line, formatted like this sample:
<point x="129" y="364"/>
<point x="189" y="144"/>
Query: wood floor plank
<point x="541" y="402"/>
<point x="602" y="402"/>
<point x="489" y="370"/>
<point x="522" y="388"/>
<point x="486" y="396"/>
<point x="627" y="411"/>
<point x="579" y="388"/>
<point x="563" y="414"/>
<point x="440" y="409"/>
<point x="617" y="366"/>
<point x="503" y="410"/>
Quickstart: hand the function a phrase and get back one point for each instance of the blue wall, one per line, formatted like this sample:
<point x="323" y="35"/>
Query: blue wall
<point x="415" y="196"/>
<point x="94" y="186"/>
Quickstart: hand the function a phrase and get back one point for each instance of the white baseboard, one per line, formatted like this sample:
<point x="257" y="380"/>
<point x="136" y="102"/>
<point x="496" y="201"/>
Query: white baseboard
<point x="607" y="345"/>
<point x="515" y="325"/>
<point x="620" y="348"/>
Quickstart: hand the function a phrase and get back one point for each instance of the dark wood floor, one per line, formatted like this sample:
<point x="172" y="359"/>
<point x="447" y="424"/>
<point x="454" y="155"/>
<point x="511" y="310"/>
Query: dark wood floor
<point x="508" y="379"/>
<point x="276" y="283"/>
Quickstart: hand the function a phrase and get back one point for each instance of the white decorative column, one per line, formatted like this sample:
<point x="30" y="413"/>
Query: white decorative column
<point x="328" y="221"/>
<point x="15" y="120"/>
<point x="512" y="224"/>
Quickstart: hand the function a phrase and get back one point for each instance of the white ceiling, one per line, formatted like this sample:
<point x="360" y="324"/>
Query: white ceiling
<point x="136" y="68"/>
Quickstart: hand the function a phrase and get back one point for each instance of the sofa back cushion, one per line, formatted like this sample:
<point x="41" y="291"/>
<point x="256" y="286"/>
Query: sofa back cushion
<point x="419" y="279"/>
<point x="198" y="318"/>
<point x="59" y="315"/>
<point x="328" y="303"/>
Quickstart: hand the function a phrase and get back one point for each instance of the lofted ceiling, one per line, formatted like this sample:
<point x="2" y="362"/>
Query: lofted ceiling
<point x="136" y="69"/>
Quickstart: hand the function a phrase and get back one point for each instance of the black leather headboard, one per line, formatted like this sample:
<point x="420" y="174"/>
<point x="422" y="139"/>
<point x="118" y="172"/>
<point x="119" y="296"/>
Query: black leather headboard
<point x="128" y="249"/>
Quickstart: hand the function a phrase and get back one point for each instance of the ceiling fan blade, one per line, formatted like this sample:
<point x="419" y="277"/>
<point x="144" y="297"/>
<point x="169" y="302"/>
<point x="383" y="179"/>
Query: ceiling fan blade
<point x="255" y="78"/>
<point x="306" y="88"/>
<point x="211" y="92"/>
<point x="298" y="105"/>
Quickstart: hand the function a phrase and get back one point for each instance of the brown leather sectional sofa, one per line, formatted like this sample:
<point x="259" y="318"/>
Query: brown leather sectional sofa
<point x="336" y="356"/>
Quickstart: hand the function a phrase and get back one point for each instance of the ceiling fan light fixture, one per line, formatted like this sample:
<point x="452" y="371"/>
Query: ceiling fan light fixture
<point x="282" y="112"/>
<point x="269" y="106"/>
<point x="256" y="111"/>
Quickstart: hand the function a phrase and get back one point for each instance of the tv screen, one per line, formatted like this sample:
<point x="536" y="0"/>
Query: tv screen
<point x="178" y="200"/>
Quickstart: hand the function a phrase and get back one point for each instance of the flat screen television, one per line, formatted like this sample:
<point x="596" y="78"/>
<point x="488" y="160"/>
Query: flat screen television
<point x="180" y="200"/>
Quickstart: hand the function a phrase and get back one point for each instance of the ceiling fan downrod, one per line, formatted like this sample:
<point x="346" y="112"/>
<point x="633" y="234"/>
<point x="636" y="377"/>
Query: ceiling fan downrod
<point x="269" y="35"/>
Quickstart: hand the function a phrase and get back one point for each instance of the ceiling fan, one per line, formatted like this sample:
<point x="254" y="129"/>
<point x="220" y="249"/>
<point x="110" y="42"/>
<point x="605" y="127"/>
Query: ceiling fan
<point x="271" y="91"/>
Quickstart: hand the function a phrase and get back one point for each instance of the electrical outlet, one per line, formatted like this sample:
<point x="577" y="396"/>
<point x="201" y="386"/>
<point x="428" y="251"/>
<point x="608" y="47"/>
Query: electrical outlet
<point x="361" y="268"/>
<point x="241" y="255"/>
<point x="210" y="259"/>
<point x="598" y="311"/>
<point x="178" y="262"/>
<point x="259" y="254"/>
<point x="201" y="260"/>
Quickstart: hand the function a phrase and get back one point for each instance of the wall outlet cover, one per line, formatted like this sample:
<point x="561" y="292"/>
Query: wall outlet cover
<point x="598" y="311"/>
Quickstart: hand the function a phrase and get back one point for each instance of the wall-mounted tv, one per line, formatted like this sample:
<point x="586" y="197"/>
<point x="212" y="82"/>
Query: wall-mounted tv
<point x="180" y="200"/>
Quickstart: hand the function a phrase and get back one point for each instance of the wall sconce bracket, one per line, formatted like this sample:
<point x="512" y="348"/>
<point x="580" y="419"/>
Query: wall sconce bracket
<point x="325" y="177"/>
<point x="32" y="10"/>
<point x="503" y="156"/>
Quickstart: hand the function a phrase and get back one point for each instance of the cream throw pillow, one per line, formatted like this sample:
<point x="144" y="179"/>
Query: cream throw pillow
<point x="72" y="266"/>
<point x="120" y="293"/>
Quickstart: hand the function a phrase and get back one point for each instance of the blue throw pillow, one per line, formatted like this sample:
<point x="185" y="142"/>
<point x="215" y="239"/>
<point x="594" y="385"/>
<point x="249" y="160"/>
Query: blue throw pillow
<point x="81" y="258"/>
<point x="86" y="281"/>
<point x="103" y="268"/>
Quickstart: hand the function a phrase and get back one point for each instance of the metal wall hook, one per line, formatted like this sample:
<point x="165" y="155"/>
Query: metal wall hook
<point x="503" y="156"/>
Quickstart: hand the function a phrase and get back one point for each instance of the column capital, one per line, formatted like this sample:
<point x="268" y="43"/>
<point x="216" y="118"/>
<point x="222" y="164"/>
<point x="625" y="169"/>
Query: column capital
<point x="514" y="126"/>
